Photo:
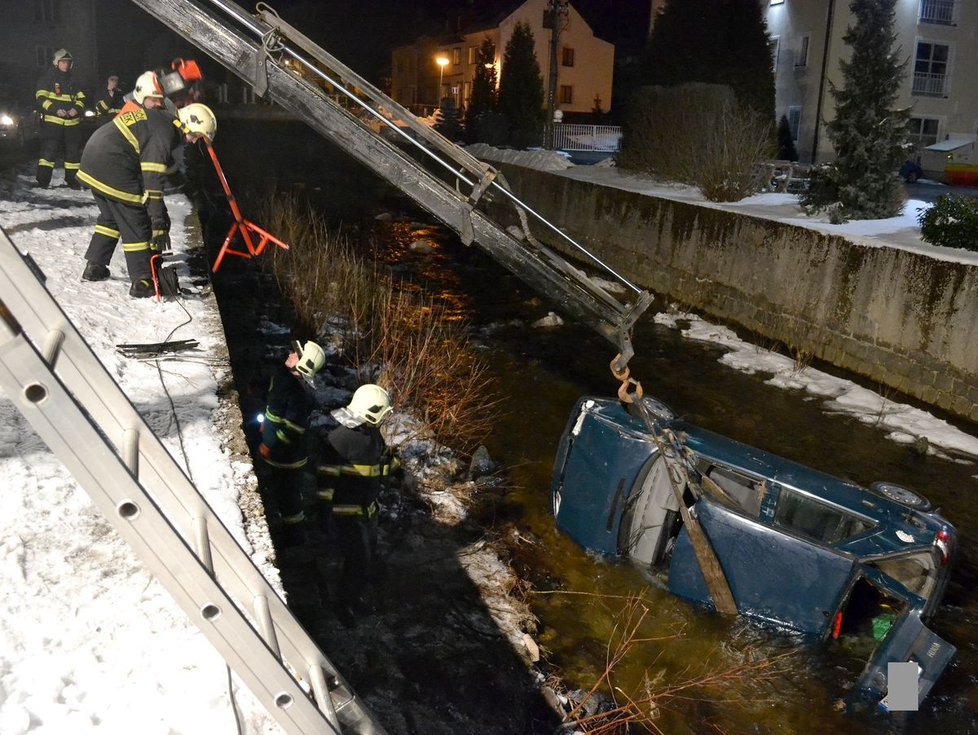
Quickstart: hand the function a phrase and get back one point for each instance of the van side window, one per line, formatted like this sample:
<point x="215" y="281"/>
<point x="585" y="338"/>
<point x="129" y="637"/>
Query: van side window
<point x="808" y="517"/>
<point x="742" y="489"/>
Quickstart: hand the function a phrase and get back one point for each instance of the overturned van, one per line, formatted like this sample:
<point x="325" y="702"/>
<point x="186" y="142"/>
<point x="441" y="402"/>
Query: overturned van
<point x="797" y="548"/>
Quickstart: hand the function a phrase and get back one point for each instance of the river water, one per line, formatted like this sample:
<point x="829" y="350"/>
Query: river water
<point x="579" y="599"/>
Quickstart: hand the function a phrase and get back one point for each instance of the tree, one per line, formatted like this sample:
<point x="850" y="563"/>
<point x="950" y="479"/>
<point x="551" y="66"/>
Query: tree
<point x="521" y="89"/>
<point x="714" y="42"/>
<point x="446" y="119"/>
<point x="869" y="135"/>
<point x="483" y="99"/>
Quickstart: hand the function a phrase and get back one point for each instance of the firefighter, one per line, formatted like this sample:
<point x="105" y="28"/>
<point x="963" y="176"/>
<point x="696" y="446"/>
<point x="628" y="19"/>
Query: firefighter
<point x="353" y="461"/>
<point x="283" y="447"/>
<point x="60" y="106"/>
<point x="124" y="164"/>
<point x="110" y="102"/>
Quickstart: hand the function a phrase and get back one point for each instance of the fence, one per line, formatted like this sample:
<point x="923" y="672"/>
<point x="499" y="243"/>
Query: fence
<point x="574" y="137"/>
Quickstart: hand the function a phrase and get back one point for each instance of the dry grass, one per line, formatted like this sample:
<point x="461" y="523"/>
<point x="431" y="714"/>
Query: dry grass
<point x="639" y="709"/>
<point x="389" y="335"/>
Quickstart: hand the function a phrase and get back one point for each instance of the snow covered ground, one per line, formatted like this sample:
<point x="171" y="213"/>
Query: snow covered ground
<point x="89" y="641"/>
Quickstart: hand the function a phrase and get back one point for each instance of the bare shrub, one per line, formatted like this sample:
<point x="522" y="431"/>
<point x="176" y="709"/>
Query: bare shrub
<point x="696" y="134"/>
<point x="389" y="335"/>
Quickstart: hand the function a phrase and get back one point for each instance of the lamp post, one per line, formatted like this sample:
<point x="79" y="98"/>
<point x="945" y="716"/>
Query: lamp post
<point x="442" y="62"/>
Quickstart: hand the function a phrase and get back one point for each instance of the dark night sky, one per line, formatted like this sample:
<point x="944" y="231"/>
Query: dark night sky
<point x="358" y="32"/>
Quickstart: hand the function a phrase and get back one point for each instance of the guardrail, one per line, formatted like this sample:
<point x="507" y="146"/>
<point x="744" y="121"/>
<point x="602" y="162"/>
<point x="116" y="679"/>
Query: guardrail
<point x="575" y="137"/>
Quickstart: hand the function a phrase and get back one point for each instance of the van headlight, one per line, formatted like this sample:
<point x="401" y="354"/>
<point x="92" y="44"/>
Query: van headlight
<point x="6" y="120"/>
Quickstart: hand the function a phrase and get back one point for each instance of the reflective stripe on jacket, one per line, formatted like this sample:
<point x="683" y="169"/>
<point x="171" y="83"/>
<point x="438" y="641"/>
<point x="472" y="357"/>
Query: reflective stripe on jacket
<point x="127" y="160"/>
<point x="350" y="469"/>
<point x="286" y="418"/>
<point x="56" y="92"/>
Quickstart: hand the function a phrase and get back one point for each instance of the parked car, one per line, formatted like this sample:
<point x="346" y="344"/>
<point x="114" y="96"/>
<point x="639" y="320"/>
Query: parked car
<point x="858" y="567"/>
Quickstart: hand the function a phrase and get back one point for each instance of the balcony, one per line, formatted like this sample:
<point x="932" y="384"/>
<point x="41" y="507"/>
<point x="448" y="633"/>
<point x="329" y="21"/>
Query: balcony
<point x="929" y="85"/>
<point x="937" y="11"/>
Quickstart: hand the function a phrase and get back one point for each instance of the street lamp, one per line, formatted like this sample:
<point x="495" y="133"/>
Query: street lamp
<point x="442" y="62"/>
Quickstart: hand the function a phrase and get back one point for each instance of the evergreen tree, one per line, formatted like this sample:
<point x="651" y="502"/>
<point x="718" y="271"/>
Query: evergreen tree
<point x="483" y="99"/>
<point x="447" y="122"/>
<point x="869" y="135"/>
<point x="714" y="42"/>
<point x="786" y="144"/>
<point x="521" y="89"/>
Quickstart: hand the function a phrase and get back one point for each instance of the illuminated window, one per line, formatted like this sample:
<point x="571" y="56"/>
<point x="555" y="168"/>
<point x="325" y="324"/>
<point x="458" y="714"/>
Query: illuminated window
<point x="457" y="55"/>
<point x="777" y="2"/>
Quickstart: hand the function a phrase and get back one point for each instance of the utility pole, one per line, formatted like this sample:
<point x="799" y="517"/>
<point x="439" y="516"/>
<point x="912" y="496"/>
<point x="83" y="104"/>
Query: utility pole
<point x="556" y="11"/>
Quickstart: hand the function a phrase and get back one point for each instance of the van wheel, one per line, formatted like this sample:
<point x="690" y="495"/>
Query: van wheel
<point x="901" y="495"/>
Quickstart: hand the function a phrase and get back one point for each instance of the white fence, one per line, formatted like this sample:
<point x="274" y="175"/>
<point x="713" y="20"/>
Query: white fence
<point x="573" y="137"/>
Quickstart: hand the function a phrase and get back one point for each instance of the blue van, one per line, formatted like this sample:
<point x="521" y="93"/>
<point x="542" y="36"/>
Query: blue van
<point x="798" y="548"/>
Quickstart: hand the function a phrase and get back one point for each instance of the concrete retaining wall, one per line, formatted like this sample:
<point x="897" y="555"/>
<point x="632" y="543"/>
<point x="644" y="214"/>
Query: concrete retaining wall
<point x="899" y="318"/>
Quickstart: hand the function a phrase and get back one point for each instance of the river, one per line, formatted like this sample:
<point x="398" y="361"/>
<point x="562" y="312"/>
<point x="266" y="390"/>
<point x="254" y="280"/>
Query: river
<point x="578" y="598"/>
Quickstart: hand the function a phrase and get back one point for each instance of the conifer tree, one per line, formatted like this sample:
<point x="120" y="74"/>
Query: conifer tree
<point x="869" y="135"/>
<point x="714" y="42"/>
<point x="447" y="122"/>
<point x="483" y="99"/>
<point x="521" y="89"/>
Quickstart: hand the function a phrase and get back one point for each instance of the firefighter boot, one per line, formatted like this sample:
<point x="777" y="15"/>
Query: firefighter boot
<point x="95" y="272"/>
<point x="142" y="289"/>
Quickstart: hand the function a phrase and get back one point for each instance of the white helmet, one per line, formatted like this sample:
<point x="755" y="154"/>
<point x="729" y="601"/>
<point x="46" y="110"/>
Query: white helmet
<point x="147" y="85"/>
<point x="198" y="118"/>
<point x="60" y="54"/>
<point x="370" y="404"/>
<point x="312" y="357"/>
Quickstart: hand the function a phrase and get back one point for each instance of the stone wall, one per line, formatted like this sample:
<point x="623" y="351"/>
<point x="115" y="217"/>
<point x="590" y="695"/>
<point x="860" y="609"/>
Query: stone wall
<point x="900" y="318"/>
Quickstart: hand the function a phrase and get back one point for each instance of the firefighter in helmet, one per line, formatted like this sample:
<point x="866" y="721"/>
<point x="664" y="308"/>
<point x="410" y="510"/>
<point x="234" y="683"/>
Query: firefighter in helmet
<point x="353" y="462"/>
<point x="125" y="165"/>
<point x="283" y="447"/>
<point x="61" y="106"/>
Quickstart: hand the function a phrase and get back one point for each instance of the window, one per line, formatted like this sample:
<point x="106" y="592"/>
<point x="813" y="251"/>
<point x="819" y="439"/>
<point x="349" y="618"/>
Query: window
<point x="46" y="11"/>
<point x="457" y="55"/>
<point x="775" y="45"/>
<point x="44" y="54"/>
<point x="777" y="2"/>
<point x="937" y="11"/>
<point x="922" y="131"/>
<point x="809" y="517"/>
<point x="567" y="56"/>
<point x="794" y="122"/>
<point x="566" y="94"/>
<point x="466" y="92"/>
<point x="801" y="58"/>
<point x="930" y="69"/>
<point x="473" y="54"/>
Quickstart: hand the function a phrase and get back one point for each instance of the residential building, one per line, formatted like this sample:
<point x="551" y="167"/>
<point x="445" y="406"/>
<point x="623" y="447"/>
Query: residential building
<point x="937" y="39"/>
<point x="585" y="63"/>
<point x="33" y="30"/>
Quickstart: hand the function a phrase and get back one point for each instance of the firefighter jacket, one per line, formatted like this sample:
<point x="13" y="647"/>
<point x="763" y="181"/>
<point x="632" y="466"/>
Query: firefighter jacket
<point x="56" y="91"/>
<point x="129" y="160"/>
<point x="352" y="466"/>
<point x="109" y="104"/>
<point x="286" y="419"/>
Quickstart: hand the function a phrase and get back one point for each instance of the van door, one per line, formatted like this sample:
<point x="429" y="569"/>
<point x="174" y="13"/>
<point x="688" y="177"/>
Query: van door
<point x="908" y="640"/>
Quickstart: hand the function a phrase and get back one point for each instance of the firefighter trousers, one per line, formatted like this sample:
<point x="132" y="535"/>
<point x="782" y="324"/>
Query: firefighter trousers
<point x="54" y="138"/>
<point x="131" y="223"/>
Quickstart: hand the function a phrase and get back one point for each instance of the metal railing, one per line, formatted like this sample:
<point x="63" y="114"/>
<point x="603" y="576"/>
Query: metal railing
<point x="929" y="85"/>
<point x="937" y="11"/>
<point x="574" y="137"/>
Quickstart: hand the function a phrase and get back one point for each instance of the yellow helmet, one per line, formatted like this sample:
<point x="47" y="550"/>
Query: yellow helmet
<point x="198" y="118"/>
<point x="370" y="403"/>
<point x="60" y="54"/>
<point x="146" y="86"/>
<point x="312" y="357"/>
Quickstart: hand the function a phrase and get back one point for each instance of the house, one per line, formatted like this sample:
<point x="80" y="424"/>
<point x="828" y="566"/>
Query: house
<point x="937" y="39"/>
<point x="585" y="63"/>
<point x="30" y="34"/>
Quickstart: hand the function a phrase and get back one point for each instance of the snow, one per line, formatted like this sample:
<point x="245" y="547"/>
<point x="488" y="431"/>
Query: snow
<point x="89" y="641"/>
